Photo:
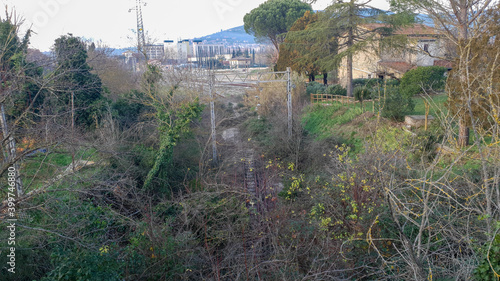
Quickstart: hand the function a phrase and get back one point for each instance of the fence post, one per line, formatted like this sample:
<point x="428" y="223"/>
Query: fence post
<point x="427" y="106"/>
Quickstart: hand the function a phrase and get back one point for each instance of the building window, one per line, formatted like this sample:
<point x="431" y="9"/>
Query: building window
<point x="426" y="47"/>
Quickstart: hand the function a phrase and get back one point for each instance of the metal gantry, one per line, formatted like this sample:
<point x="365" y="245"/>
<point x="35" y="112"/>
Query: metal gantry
<point x="243" y="80"/>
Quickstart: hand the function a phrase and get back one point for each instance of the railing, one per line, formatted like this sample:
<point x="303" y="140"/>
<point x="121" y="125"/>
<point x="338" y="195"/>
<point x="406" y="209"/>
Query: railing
<point x="326" y="97"/>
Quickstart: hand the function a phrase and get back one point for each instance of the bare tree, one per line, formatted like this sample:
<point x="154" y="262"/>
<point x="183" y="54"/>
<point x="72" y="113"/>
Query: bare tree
<point x="459" y="22"/>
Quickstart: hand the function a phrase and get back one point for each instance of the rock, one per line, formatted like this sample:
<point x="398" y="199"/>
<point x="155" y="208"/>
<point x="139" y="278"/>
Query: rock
<point x="443" y="149"/>
<point x="79" y="164"/>
<point x="230" y="134"/>
<point x="417" y="120"/>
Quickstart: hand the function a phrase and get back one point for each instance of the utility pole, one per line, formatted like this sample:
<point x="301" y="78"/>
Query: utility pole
<point x="212" y="116"/>
<point x="73" y="129"/>
<point x="289" y="100"/>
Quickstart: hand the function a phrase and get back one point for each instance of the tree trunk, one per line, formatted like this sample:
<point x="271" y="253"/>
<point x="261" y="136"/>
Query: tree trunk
<point x="350" y="42"/>
<point x="11" y="149"/>
<point x="325" y="78"/>
<point x="463" y="130"/>
<point x="463" y="134"/>
<point x="349" y="75"/>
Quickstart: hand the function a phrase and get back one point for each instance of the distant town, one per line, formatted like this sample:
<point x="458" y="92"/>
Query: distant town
<point x="215" y="50"/>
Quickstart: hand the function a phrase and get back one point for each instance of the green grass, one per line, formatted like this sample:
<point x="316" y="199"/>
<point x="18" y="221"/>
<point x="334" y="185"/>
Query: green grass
<point x="437" y="104"/>
<point x="321" y="120"/>
<point x="38" y="169"/>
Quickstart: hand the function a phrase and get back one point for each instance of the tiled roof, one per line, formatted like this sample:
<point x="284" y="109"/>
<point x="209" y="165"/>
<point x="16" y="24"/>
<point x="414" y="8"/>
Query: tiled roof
<point x="443" y="63"/>
<point x="418" y="30"/>
<point x="399" y="66"/>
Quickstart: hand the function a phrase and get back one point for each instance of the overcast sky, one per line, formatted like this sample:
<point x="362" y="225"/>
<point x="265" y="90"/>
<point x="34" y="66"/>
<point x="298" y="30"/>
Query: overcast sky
<point x="110" y="21"/>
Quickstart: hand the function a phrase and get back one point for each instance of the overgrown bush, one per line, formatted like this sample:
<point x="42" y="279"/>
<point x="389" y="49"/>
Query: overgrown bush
<point x="484" y="270"/>
<point x="127" y="111"/>
<point x="362" y="93"/>
<point x="396" y="105"/>
<point x="336" y="90"/>
<point x="85" y="265"/>
<point x="315" y="88"/>
<point x="425" y="141"/>
<point x="423" y="79"/>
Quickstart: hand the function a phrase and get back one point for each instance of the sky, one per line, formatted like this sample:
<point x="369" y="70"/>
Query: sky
<point x="111" y="23"/>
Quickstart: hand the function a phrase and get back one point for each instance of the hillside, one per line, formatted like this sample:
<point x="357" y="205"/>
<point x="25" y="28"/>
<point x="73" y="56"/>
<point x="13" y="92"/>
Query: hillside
<point x="237" y="35"/>
<point x="231" y="36"/>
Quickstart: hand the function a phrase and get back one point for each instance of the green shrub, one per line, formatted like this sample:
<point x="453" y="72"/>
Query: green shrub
<point x="425" y="141"/>
<point x="127" y="111"/>
<point x="423" y="79"/>
<point x="362" y="93"/>
<point x="370" y="83"/>
<point x="336" y="90"/>
<point x="392" y="82"/>
<point x="484" y="271"/>
<point x="80" y="265"/>
<point x="315" y="88"/>
<point x="396" y="105"/>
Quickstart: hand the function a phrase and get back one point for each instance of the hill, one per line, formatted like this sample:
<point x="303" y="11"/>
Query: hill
<point x="237" y="35"/>
<point x="230" y="36"/>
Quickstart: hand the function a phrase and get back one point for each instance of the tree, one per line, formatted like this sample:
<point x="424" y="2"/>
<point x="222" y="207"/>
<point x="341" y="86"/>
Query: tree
<point x="436" y="236"/>
<point x="297" y="54"/>
<point x="458" y="21"/>
<point x="75" y="80"/>
<point x="173" y="117"/>
<point x="13" y="52"/>
<point x="273" y="18"/>
<point x="115" y="76"/>
<point x="423" y="79"/>
<point x="339" y="34"/>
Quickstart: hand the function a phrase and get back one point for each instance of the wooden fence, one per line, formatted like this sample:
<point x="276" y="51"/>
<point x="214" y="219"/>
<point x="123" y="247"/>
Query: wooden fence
<point x="326" y="97"/>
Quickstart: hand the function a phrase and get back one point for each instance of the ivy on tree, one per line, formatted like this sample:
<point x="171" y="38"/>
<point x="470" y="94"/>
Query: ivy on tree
<point x="174" y="120"/>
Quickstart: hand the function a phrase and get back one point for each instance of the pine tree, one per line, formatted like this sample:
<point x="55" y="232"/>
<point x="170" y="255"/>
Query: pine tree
<point x="339" y="33"/>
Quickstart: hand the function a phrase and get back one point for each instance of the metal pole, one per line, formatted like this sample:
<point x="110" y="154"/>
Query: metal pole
<point x="73" y="130"/>
<point x="212" y="117"/>
<point x="289" y="100"/>
<point x="11" y="145"/>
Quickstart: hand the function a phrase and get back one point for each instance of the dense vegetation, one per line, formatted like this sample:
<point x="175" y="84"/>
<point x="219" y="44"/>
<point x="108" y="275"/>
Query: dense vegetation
<point x="116" y="178"/>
